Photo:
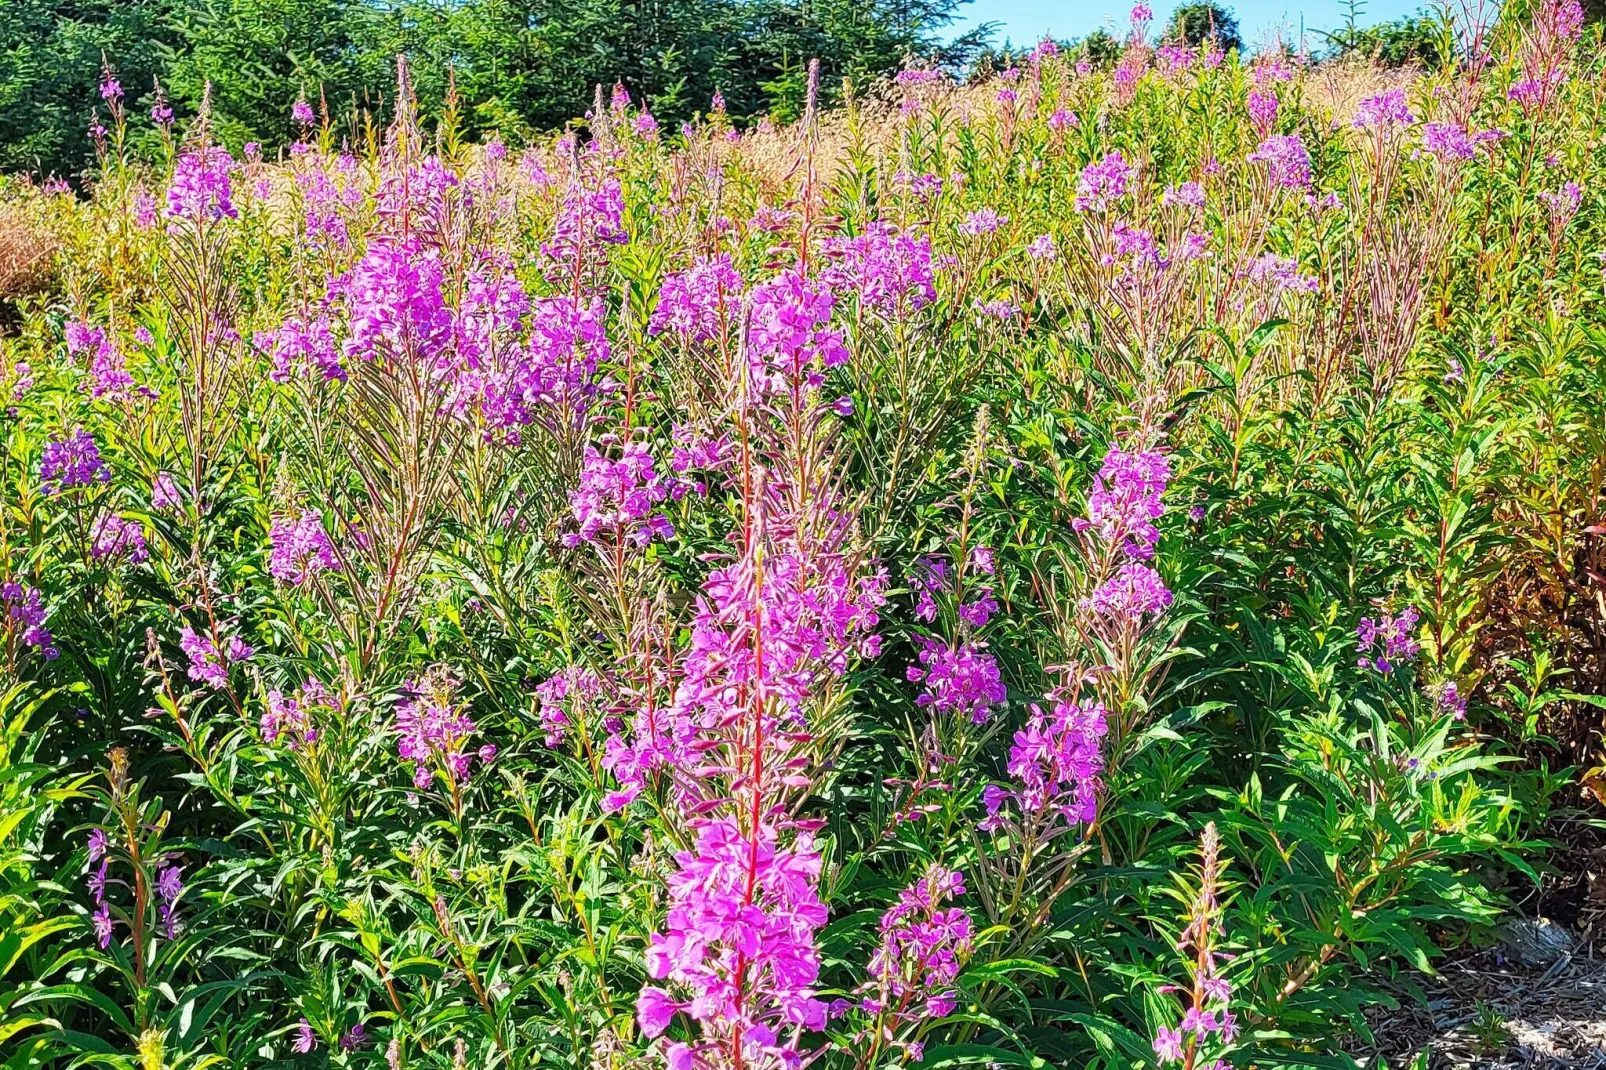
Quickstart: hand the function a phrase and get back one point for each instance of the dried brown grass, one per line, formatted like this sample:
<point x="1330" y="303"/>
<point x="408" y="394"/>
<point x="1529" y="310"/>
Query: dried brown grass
<point x="1338" y="86"/>
<point x="28" y="249"/>
<point x="776" y="154"/>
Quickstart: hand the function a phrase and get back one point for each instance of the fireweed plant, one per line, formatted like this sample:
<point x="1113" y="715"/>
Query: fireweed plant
<point x="838" y="594"/>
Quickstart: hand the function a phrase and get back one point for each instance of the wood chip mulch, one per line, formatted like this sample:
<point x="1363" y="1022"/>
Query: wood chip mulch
<point x="1486" y="1010"/>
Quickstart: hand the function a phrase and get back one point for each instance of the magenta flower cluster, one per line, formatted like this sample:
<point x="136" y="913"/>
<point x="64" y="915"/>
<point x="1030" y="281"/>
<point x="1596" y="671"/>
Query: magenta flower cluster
<point x="790" y="340"/>
<point x="1383" y="112"/>
<point x="492" y="314"/>
<point x="108" y="373"/>
<point x="396" y="307"/>
<point x="1103" y="183"/>
<point x="961" y="679"/>
<point x="25" y="615"/>
<point x="616" y="498"/>
<point x="144" y="210"/>
<point x="1281" y="274"/>
<point x="112" y="538"/>
<point x="499" y="355"/>
<point x="1563" y="203"/>
<point x="1141" y="257"/>
<point x="554" y="380"/>
<point x="412" y="201"/>
<point x="928" y="582"/>
<point x="774" y="626"/>
<point x="1263" y="107"/>
<point x="958" y="676"/>
<point x="74" y="461"/>
<point x="982" y="221"/>
<point x="699" y="304"/>
<point x="738" y="943"/>
<point x="1174" y="58"/>
<point x="1386" y="643"/>
<point x="694" y="452"/>
<point x="433" y="730"/>
<point x="1056" y="761"/>
<point x="923" y="945"/>
<point x="322" y="198"/>
<point x="562" y="700"/>
<point x="1126" y="500"/>
<point x="101" y="918"/>
<point x="589" y="221"/>
<point x="200" y="190"/>
<point x="917" y="76"/>
<point x="1286" y="160"/>
<point x="889" y="271"/>
<point x="1187" y="194"/>
<point x="169" y="886"/>
<point x="209" y="663"/>
<point x="300" y="548"/>
<point x="801" y="621"/>
<point x="304" y="347"/>
<point x="1133" y="592"/>
<point x="1447" y="142"/>
<point x="165" y="492"/>
<point x="1122" y="508"/>
<point x="568" y="344"/>
<point x="1208" y="1019"/>
<point x="289" y="718"/>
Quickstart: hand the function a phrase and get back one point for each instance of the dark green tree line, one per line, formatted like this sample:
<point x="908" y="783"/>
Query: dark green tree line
<point x="518" y="65"/>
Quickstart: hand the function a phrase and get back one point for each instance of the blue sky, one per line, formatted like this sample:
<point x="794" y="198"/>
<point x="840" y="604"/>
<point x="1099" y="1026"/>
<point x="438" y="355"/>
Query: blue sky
<point x="1025" y="21"/>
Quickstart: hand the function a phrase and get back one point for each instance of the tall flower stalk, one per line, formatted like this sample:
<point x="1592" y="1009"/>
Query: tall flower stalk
<point x="1208" y="1029"/>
